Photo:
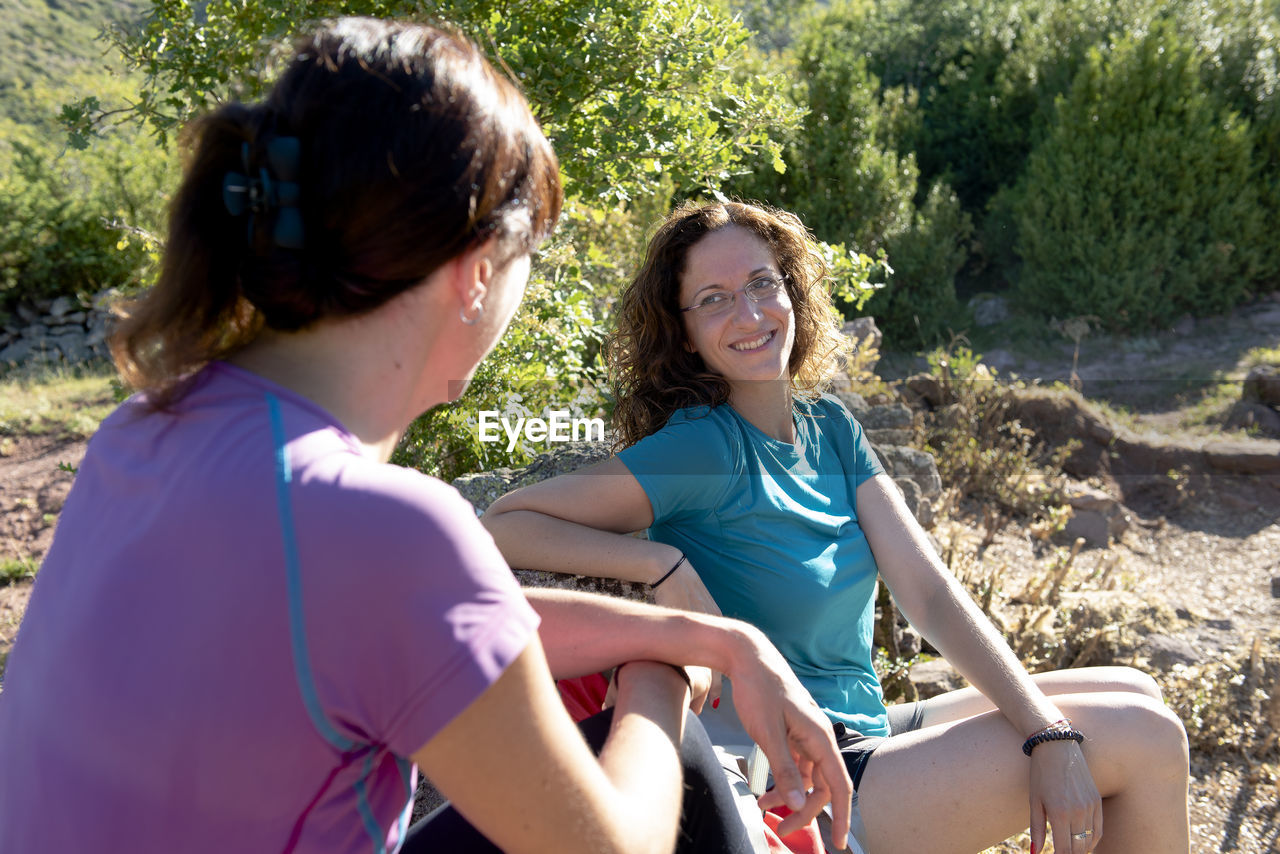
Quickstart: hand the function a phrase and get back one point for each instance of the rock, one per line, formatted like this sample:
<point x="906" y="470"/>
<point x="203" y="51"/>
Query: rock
<point x="1164" y="651"/>
<point x="1185" y="325"/>
<point x="909" y="462"/>
<point x="881" y="438"/>
<point x="1267" y="317"/>
<point x="934" y="677"/>
<point x="27" y="314"/>
<point x="35" y="331"/>
<point x="852" y="401"/>
<point x="865" y="334"/>
<point x="18" y="351"/>
<point x="484" y="488"/>
<point x="1262" y="385"/>
<point x="989" y="310"/>
<point x="562" y="581"/>
<point x="909" y="642"/>
<point x="1084" y="498"/>
<point x="866" y="338"/>
<point x="924" y="388"/>
<point x="60" y="306"/>
<point x="910" y="493"/>
<point x="1254" y="417"/>
<point x="75" y="318"/>
<point x="1089" y="525"/>
<point x="73" y="347"/>
<point x="1259" y="456"/>
<point x="1001" y="361"/>
<point x="886" y="417"/>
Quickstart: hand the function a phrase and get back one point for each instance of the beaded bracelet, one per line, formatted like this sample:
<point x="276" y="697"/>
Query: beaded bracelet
<point x="679" y="563"/>
<point x="1059" y="730"/>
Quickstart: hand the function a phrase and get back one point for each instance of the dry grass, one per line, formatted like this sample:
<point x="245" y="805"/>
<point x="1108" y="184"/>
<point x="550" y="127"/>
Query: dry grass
<point x="65" y="402"/>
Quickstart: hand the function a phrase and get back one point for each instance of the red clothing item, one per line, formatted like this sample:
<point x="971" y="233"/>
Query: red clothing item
<point x="806" y="840"/>
<point x="584" y="696"/>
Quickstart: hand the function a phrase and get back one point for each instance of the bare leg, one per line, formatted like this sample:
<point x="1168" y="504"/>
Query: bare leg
<point x="962" y="785"/>
<point x="968" y="702"/>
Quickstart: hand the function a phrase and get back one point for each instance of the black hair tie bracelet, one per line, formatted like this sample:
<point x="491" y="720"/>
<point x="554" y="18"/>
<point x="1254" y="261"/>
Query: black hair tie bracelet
<point x="679" y="563"/>
<point x="1059" y="730"/>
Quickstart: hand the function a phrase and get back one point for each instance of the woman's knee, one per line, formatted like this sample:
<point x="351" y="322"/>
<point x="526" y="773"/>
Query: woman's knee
<point x="1147" y="733"/>
<point x="1110" y="678"/>
<point x="1133" y="680"/>
<point x="1167" y="729"/>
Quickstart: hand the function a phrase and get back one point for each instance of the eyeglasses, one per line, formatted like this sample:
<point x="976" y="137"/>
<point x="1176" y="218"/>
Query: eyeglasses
<point x="719" y="303"/>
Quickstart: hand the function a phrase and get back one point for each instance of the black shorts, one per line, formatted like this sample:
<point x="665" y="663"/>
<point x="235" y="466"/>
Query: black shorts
<point x="857" y="748"/>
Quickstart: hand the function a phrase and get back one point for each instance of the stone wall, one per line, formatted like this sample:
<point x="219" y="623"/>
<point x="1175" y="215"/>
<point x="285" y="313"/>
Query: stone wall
<point x="58" y="331"/>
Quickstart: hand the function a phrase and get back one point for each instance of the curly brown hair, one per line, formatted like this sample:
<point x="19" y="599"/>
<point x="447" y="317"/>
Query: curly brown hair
<point x="653" y="372"/>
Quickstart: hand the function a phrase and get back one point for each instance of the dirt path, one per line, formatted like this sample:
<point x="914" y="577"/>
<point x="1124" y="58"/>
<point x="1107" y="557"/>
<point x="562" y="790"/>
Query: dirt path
<point x="33" y="485"/>
<point x="1214" y="556"/>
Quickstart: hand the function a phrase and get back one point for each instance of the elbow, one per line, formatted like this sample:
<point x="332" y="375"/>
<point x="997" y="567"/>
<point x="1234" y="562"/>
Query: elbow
<point x="925" y="605"/>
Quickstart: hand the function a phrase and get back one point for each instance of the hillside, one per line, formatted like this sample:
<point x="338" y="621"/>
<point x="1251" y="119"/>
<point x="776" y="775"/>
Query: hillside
<point x="49" y="53"/>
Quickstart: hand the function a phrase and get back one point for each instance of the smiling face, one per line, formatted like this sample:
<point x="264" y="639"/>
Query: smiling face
<point x="752" y="341"/>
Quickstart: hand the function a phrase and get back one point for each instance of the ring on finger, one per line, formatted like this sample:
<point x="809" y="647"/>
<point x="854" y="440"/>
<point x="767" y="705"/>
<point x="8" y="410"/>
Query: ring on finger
<point x="1082" y="835"/>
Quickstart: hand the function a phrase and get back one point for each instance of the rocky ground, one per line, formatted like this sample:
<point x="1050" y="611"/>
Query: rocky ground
<point x="1211" y="553"/>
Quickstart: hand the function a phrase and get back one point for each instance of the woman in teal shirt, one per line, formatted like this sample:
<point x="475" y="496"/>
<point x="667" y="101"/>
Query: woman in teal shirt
<point x="764" y="500"/>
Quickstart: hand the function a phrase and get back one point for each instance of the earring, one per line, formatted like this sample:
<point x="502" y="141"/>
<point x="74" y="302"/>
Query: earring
<point x="471" y="321"/>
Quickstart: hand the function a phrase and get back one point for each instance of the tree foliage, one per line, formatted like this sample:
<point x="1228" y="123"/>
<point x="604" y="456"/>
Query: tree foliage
<point x="638" y="96"/>
<point x="849" y="177"/>
<point x="71" y="222"/>
<point x="640" y="99"/>
<point x="1140" y="206"/>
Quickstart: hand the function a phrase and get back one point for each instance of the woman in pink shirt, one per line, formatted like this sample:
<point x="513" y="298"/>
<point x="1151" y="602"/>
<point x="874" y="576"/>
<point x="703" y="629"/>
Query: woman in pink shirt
<point x="251" y="630"/>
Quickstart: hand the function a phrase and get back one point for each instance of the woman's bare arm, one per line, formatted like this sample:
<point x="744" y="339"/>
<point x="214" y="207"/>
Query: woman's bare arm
<point x="1061" y="785"/>
<point x="581" y="523"/>
<point x="936" y="604"/>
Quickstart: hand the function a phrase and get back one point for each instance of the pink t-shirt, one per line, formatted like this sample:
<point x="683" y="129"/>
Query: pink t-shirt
<point x="242" y="629"/>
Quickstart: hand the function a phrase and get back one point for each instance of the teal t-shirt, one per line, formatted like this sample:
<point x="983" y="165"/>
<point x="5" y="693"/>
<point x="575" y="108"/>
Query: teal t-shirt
<point x="772" y="529"/>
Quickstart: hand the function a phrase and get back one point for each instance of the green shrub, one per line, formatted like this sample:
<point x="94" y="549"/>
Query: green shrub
<point x="950" y="53"/>
<point x="640" y="98"/>
<point x="982" y="451"/>
<point x="1240" y="42"/>
<point x="919" y="307"/>
<point x="1266" y="131"/>
<point x="842" y="176"/>
<point x="57" y="236"/>
<point x="1139" y="205"/>
<point x="73" y="222"/>
<point x="847" y="181"/>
